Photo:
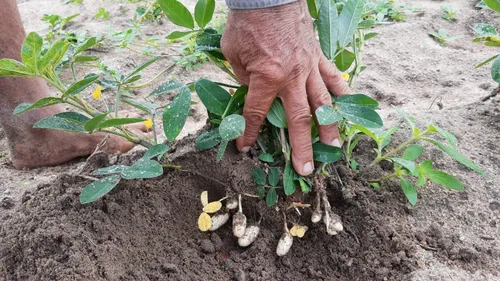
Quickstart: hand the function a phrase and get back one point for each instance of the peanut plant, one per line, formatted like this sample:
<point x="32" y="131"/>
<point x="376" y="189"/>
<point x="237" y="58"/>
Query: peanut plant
<point x="489" y="36"/>
<point x="86" y="119"/>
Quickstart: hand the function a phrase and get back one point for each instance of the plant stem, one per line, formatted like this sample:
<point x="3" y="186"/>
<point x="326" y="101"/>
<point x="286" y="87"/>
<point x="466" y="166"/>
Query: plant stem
<point x="284" y="146"/>
<point x="391" y="153"/>
<point x="117" y="100"/>
<point x="226" y="85"/>
<point x="154" y="128"/>
<point x="388" y="177"/>
<point x="154" y="78"/>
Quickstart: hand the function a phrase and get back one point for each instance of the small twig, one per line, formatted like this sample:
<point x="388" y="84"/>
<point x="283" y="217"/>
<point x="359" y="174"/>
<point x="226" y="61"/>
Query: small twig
<point x="434" y="100"/>
<point x="298" y="205"/>
<point x="352" y="233"/>
<point x="492" y="94"/>
<point x="427" y="247"/>
<point x="87" y="177"/>
<point x="90" y="240"/>
<point x="487" y="237"/>
<point x="249" y="195"/>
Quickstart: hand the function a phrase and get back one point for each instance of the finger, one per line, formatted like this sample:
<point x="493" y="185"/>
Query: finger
<point x="257" y="103"/>
<point x="298" y="117"/>
<point x="332" y="78"/>
<point x="317" y="95"/>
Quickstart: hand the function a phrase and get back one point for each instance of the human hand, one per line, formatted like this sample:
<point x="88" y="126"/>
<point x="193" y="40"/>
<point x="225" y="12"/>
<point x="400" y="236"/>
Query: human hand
<point x="275" y="52"/>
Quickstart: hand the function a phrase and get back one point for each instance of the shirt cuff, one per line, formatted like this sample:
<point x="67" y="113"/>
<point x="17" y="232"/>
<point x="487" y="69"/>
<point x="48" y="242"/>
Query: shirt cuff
<point x="255" y="4"/>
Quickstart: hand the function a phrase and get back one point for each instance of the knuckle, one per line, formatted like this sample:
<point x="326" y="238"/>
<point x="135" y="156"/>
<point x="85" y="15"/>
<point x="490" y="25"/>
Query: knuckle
<point x="300" y="116"/>
<point x="272" y="74"/>
<point x="254" y="117"/>
<point x="319" y="95"/>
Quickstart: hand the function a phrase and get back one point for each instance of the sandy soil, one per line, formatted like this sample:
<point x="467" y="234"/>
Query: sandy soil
<point x="146" y="230"/>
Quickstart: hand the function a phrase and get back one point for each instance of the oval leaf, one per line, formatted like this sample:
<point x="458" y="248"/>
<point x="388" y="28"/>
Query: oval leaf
<point x="10" y="67"/>
<point x="495" y="70"/>
<point x="266" y="157"/>
<point x="156" y="151"/>
<point x="259" y="176"/>
<point x="203" y="12"/>
<point x="177" y="13"/>
<point x="166" y="88"/>
<point x="116" y="169"/>
<point x="92" y="123"/>
<point x="272" y="197"/>
<point x="276" y="115"/>
<point x="457" y="156"/>
<point x="326" y="115"/>
<point x="204" y="222"/>
<point x="31" y="49"/>
<point x="118" y="122"/>
<point x="48" y="101"/>
<point x="232" y="127"/>
<point x="212" y="207"/>
<point x="348" y="21"/>
<point x="327" y="153"/>
<point x="98" y="188"/>
<point x="274" y="176"/>
<point x="413" y="152"/>
<point x="176" y="113"/>
<point x="409" y="191"/>
<point x="58" y="123"/>
<point x="444" y="179"/>
<point x="79" y="86"/>
<point x="357" y="99"/>
<point x="328" y="27"/>
<point x="208" y="139"/>
<point x="360" y="115"/>
<point x="288" y="179"/>
<point x="213" y="96"/>
<point x="143" y="169"/>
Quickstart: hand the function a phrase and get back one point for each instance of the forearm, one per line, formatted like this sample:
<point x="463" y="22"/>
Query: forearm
<point x="256" y="4"/>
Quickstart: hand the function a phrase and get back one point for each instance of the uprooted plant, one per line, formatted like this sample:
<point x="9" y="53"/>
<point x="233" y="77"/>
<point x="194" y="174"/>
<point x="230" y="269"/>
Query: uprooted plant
<point x="355" y="114"/>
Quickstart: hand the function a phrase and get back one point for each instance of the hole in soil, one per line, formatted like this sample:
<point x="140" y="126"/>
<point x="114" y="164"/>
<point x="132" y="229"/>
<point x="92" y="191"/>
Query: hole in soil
<point x="145" y="226"/>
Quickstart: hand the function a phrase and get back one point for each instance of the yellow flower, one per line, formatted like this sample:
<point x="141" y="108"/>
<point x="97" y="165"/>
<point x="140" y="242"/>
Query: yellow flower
<point x="97" y="92"/>
<point x="148" y="123"/>
<point x="226" y="63"/>
<point x="346" y="76"/>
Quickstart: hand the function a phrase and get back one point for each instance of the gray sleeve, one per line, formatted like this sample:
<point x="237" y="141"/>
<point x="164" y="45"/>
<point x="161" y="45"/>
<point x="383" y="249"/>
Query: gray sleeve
<point x="255" y="4"/>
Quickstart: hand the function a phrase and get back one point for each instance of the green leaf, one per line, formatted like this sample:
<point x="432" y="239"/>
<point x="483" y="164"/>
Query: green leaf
<point x="94" y="122"/>
<point x="113" y="122"/>
<point x="178" y="34"/>
<point x="365" y="131"/>
<point x="156" y="151"/>
<point x="176" y="113"/>
<point x="208" y="139"/>
<point x="79" y="86"/>
<point x="232" y="127"/>
<point x="304" y="185"/>
<point x="357" y="99"/>
<point x="222" y="150"/>
<point x="450" y="138"/>
<point x="272" y="197"/>
<point x="326" y="115"/>
<point x="116" y="169"/>
<point x="214" y="97"/>
<point x="495" y="70"/>
<point x="409" y="190"/>
<point x="276" y="115"/>
<point x="344" y="60"/>
<point x="413" y="152"/>
<point x="349" y="19"/>
<point x="407" y="164"/>
<point x="457" y="156"/>
<point x="90" y="42"/>
<point x="237" y="100"/>
<point x="177" y="13"/>
<point x="166" y="88"/>
<point x="48" y="101"/>
<point x="203" y="12"/>
<point x="98" y="189"/>
<point x="140" y="68"/>
<point x="425" y="166"/>
<point x="487" y="61"/>
<point x="30" y="51"/>
<point x="313" y="8"/>
<point x="80" y="59"/>
<point x="493" y="4"/>
<point x="261" y="191"/>
<point x="370" y="35"/>
<point x="288" y="179"/>
<point x="259" y="176"/>
<point x="360" y="115"/>
<point x="409" y="119"/>
<point x="58" y="123"/>
<point x="328" y="28"/>
<point x="266" y="157"/>
<point x="143" y="169"/>
<point x="53" y="56"/>
<point x="326" y="153"/>
<point x="144" y="106"/>
<point x="274" y="176"/>
<point x="444" y="179"/>
<point x="485" y="30"/>
<point x="73" y="116"/>
<point x="375" y="185"/>
<point x="10" y="67"/>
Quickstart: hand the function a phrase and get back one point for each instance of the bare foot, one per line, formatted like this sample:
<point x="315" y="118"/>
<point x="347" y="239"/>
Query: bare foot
<point x="42" y="147"/>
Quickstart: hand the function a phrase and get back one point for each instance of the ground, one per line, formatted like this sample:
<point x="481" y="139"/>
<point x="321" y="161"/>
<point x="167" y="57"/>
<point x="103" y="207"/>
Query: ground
<point x="146" y="230"/>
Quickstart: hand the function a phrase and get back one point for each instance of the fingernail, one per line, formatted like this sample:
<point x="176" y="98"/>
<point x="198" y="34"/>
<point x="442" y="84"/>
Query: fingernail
<point x="245" y="149"/>
<point x="308" y="168"/>
<point x="336" y="143"/>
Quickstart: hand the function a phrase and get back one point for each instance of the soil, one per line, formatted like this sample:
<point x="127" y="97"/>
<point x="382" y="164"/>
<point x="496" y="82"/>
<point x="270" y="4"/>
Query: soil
<point x="146" y="230"/>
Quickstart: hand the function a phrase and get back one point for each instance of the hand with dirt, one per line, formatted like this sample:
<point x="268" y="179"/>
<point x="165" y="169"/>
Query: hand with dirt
<point x="275" y="52"/>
